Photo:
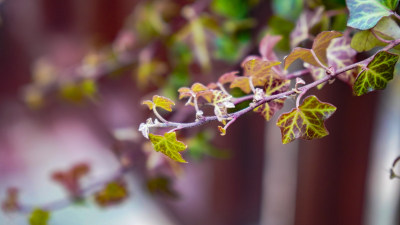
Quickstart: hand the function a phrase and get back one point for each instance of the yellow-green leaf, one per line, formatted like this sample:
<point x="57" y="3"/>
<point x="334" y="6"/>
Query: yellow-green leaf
<point x="306" y="121"/>
<point x="377" y="73"/>
<point x="242" y="83"/>
<point x="168" y="145"/>
<point x="259" y="69"/>
<point x="163" y="102"/>
<point x="39" y="217"/>
<point x="149" y="103"/>
<point x="113" y="193"/>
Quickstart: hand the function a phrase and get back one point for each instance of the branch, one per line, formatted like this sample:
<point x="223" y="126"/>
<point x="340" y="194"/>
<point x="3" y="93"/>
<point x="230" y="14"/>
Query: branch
<point x="84" y="192"/>
<point x="266" y="99"/>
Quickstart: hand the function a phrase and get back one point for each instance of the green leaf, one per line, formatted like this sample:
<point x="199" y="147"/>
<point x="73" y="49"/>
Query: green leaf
<point x="283" y="27"/>
<point x="365" y="14"/>
<point x="377" y="73"/>
<point x="364" y="41"/>
<point x="289" y="9"/>
<point x="113" y="193"/>
<point x="168" y="145"/>
<point x="391" y="4"/>
<point x="161" y="185"/>
<point x="39" y="217"/>
<point x="307" y="121"/>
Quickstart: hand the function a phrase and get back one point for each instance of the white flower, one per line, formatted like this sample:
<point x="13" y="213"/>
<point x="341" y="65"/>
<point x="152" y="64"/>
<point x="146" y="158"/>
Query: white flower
<point x="144" y="129"/>
<point x="258" y="95"/>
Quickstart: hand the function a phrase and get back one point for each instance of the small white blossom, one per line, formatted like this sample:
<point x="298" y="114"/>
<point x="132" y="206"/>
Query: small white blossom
<point x="258" y="95"/>
<point x="144" y="129"/>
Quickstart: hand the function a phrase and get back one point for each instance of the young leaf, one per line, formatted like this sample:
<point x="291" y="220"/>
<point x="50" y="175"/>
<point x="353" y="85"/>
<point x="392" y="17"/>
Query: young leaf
<point x="317" y="73"/>
<point x="307" y="121"/>
<point x="340" y="55"/>
<point x="113" y="193"/>
<point x="365" y="14"/>
<point x="168" y="145"/>
<point x="266" y="47"/>
<point x="39" y="217"/>
<point x="163" y="102"/>
<point x="271" y="87"/>
<point x="259" y="69"/>
<point x="377" y="73"/>
<point x="228" y="77"/>
<point x="11" y="202"/>
<point x="306" y="21"/>
<point x="319" y="47"/>
<point x="70" y="179"/>
<point x="149" y="104"/>
<point x="161" y="185"/>
<point x="364" y="41"/>
<point x="242" y="83"/>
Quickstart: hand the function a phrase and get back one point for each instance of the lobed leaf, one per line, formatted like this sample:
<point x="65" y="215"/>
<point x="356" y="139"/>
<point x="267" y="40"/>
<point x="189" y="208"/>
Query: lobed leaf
<point x="317" y="73"/>
<point x="242" y="83"/>
<point x="228" y="77"/>
<point x="11" y="202"/>
<point x="149" y="104"/>
<point x="39" y="217"/>
<point x="365" y="14"/>
<point x="259" y="69"/>
<point x="377" y="73"/>
<point x="340" y="55"/>
<point x="163" y="102"/>
<point x="322" y="42"/>
<point x="306" y="21"/>
<point x="168" y="145"/>
<point x="113" y="193"/>
<point x="300" y="53"/>
<point x="266" y="47"/>
<point x="306" y="121"/>
<point x="319" y="47"/>
<point x="271" y="87"/>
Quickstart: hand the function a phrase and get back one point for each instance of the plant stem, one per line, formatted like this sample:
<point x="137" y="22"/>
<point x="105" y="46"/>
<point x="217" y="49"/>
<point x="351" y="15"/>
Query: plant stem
<point x="276" y="96"/>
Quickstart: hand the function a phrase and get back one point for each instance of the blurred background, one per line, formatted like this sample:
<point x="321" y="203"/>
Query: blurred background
<point x="74" y="74"/>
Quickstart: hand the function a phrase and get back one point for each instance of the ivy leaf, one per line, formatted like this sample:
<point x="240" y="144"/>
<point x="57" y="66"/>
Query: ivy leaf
<point x="168" y="145"/>
<point x="364" y="41"/>
<point x="39" y="217"/>
<point x="307" y="121"/>
<point x="365" y="14"/>
<point x="113" y="193"/>
<point x="319" y="47"/>
<point x="196" y="91"/>
<point x="259" y="71"/>
<point x="159" y="101"/>
<point x="11" y="202"/>
<point x="271" y="87"/>
<point x="161" y="185"/>
<point x="70" y="179"/>
<point x="227" y="77"/>
<point x="306" y="21"/>
<point x="163" y="102"/>
<point x="340" y="55"/>
<point x="317" y="73"/>
<point x="377" y="73"/>
<point x="242" y="83"/>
